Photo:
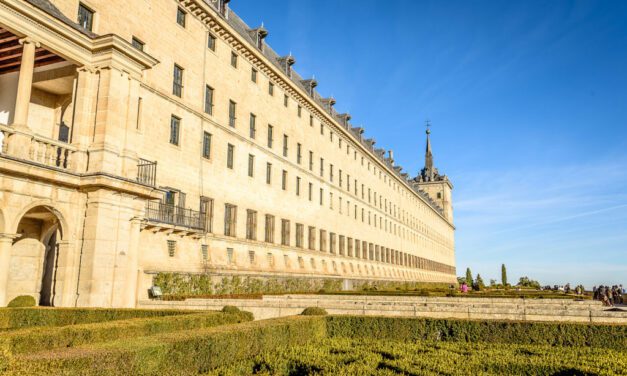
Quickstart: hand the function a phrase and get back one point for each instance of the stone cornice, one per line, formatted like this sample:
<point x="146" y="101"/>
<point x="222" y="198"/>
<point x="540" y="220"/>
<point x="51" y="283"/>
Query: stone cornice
<point x="58" y="37"/>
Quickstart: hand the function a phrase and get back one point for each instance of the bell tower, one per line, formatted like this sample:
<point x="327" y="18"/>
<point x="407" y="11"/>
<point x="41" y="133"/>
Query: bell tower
<point x="437" y="186"/>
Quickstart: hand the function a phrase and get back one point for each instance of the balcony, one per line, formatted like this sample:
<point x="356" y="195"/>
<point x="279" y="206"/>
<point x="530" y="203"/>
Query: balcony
<point x="175" y="216"/>
<point x="34" y="148"/>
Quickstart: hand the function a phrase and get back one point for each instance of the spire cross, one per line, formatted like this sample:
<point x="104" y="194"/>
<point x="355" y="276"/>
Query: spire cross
<point x="428" y="126"/>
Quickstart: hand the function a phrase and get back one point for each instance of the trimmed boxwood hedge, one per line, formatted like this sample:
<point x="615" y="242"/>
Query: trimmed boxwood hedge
<point x="314" y="311"/>
<point x="47" y="338"/>
<point x="17" y="318"/>
<point x="22" y="301"/>
<point x="183" y="352"/>
<point x="523" y="332"/>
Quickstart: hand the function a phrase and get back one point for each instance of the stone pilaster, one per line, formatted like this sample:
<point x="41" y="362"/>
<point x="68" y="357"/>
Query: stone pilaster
<point x="6" y="241"/>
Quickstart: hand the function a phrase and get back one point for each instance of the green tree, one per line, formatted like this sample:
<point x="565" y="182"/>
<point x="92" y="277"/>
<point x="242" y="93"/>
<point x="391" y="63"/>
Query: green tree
<point x="503" y="275"/>
<point x="468" y="277"/>
<point x="479" y="285"/>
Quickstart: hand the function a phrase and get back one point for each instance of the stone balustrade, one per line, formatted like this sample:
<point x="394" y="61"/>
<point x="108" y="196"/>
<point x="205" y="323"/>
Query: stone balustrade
<point x="23" y="144"/>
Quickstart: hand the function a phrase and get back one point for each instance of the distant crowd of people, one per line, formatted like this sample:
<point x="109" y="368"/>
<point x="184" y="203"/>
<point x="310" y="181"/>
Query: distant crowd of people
<point x="609" y="295"/>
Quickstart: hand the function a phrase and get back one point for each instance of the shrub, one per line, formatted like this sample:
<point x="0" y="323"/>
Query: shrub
<point x="16" y="318"/>
<point x="22" y="301"/>
<point x="179" y="353"/>
<point x="231" y="309"/>
<point x="39" y="339"/>
<point x="314" y="311"/>
<point x="492" y="331"/>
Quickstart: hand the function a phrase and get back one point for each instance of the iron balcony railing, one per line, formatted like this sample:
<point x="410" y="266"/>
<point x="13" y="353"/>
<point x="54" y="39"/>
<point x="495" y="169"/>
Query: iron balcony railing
<point x="147" y="172"/>
<point x="175" y="215"/>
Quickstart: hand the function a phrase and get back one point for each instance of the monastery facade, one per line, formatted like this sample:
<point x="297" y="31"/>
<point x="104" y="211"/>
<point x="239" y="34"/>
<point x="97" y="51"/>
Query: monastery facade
<point x="142" y="137"/>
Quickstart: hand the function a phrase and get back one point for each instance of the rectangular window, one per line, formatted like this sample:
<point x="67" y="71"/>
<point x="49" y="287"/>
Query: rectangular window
<point x="285" y="232"/>
<point x="177" y="82"/>
<point x="270" y="135"/>
<point x="311" y="120"/>
<point x="268" y="173"/>
<point x="206" y="209"/>
<point x="208" y="100"/>
<point x="230" y="256"/>
<point x="332" y="240"/>
<point x="251" y="225"/>
<point x="251" y="165"/>
<point x="171" y="248"/>
<point x="175" y="129"/>
<point x="269" y="228"/>
<point x="138" y="44"/>
<point x="232" y="113"/>
<point x="321" y="196"/>
<point x="299" y="155"/>
<point x="253" y="75"/>
<point x="270" y="88"/>
<point x="211" y="42"/>
<point x="285" y="100"/>
<point x="284" y="180"/>
<point x="285" y="139"/>
<point x="300" y="110"/>
<point x="300" y="235"/>
<point x="310" y="160"/>
<point x="312" y="237"/>
<point x="230" y="220"/>
<point x="310" y="191"/>
<point x="206" y="145"/>
<point x="297" y="186"/>
<point x="253" y="126"/>
<point x="180" y="16"/>
<point x="331" y="172"/>
<point x="233" y="59"/>
<point x="342" y="245"/>
<point x="251" y="257"/>
<point x="323" y="241"/>
<point x="230" y="156"/>
<point x="85" y="17"/>
<point x="322" y="167"/>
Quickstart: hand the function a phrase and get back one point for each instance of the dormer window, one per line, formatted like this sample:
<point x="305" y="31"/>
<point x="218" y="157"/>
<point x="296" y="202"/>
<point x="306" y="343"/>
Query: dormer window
<point x="223" y="7"/>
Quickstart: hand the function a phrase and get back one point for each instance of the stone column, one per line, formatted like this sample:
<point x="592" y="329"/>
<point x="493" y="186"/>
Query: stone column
<point x="6" y="241"/>
<point x="130" y="300"/>
<point x="25" y="82"/>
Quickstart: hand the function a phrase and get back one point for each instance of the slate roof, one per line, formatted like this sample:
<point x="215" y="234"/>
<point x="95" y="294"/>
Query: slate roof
<point x="52" y="10"/>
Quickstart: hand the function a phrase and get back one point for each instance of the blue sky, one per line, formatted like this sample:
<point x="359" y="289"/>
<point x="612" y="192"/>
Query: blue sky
<point x="528" y="101"/>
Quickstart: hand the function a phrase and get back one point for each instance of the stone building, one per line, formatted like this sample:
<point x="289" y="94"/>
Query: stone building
<point x="141" y="137"/>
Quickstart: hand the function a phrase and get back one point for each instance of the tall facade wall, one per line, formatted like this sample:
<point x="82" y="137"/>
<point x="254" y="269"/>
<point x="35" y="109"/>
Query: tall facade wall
<point x="333" y="181"/>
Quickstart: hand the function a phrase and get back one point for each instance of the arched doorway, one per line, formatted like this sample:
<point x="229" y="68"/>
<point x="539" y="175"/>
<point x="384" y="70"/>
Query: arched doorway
<point x="34" y="255"/>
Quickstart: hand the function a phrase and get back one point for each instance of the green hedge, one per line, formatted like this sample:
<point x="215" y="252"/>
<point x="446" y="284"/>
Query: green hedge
<point x="22" y="301"/>
<point x="314" y="311"/>
<point x="190" y="285"/>
<point x="39" y="339"/>
<point x="17" y="318"/>
<point x="415" y="329"/>
<point x="184" y="352"/>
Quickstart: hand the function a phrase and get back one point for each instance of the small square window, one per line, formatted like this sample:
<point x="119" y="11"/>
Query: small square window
<point x="85" y="17"/>
<point x="137" y="44"/>
<point x="180" y="16"/>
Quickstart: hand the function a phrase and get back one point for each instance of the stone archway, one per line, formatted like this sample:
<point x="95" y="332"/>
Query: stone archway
<point x="34" y="256"/>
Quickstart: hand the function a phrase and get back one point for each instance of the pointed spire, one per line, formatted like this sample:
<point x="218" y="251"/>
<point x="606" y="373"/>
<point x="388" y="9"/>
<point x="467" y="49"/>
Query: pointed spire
<point x="428" y="153"/>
